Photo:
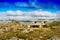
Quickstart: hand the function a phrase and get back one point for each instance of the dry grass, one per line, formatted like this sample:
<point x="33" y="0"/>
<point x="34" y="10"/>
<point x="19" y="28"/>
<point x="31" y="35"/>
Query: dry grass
<point x="15" y="28"/>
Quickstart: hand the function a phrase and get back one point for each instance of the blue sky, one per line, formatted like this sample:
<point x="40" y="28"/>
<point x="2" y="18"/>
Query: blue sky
<point x="46" y="5"/>
<point x="27" y="9"/>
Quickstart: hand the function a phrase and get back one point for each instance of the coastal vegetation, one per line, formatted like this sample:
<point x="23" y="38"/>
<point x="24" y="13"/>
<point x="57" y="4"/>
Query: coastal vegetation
<point x="16" y="29"/>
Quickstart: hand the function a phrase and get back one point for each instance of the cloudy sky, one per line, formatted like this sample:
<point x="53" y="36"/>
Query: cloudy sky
<point x="29" y="9"/>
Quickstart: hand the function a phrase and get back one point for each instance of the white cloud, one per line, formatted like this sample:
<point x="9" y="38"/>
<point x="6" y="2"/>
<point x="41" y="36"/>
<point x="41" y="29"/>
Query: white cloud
<point x="36" y="13"/>
<point x="10" y="12"/>
<point x="58" y="13"/>
<point x="28" y="15"/>
<point x="44" y="13"/>
<point x="19" y="4"/>
<point x="18" y="12"/>
<point x="24" y="17"/>
<point x="32" y="4"/>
